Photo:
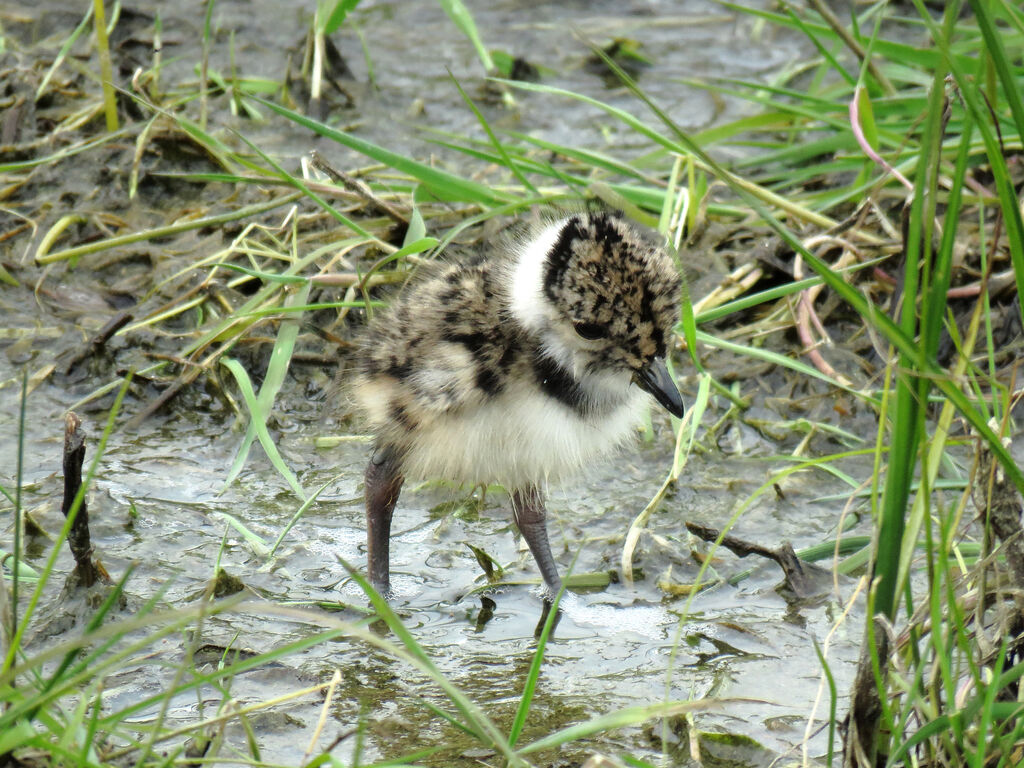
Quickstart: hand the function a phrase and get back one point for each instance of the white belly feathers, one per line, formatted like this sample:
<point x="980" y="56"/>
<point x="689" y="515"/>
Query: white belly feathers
<point x="518" y="438"/>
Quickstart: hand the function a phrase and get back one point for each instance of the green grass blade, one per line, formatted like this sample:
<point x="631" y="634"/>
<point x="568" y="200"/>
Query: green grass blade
<point x="20" y="734"/>
<point x="972" y="95"/>
<point x="42" y="257"/>
<point x="296" y="517"/>
<point x="280" y="357"/>
<point x="444" y="185"/>
<point x="590" y="159"/>
<point x="10" y="631"/>
<point x="257" y="418"/>
<point x="463" y="19"/>
<point x="336" y="18"/>
<point x="533" y="674"/>
<point x="907" y="425"/>
<point x="253" y="539"/>
<point x="997" y="54"/>
<point x="833" y="697"/>
<point x="63" y="53"/>
<point x="623" y="718"/>
<point x="775" y="358"/>
<point x="826" y="54"/>
<point x="498" y="146"/>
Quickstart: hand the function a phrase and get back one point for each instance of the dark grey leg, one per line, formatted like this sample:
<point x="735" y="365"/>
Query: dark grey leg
<point x="528" y="508"/>
<point x="383" y="484"/>
<point x="545" y="611"/>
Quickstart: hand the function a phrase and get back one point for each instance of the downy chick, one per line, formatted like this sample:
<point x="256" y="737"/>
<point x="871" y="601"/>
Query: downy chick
<point x="517" y="367"/>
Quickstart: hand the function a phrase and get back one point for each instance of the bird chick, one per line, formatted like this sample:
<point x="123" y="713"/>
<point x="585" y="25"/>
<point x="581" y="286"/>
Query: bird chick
<point x="516" y="367"/>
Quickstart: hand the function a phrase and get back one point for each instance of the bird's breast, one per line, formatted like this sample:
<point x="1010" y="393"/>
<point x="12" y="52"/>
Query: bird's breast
<point x="522" y="437"/>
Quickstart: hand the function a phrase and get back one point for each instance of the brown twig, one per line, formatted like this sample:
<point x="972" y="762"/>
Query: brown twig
<point x="186" y="378"/>
<point x="802" y="578"/>
<point x="78" y="537"/>
<point x="805" y="314"/>
<point x="116" y="323"/>
<point x="358" y="187"/>
<point x="994" y="284"/>
<point x="348" y="279"/>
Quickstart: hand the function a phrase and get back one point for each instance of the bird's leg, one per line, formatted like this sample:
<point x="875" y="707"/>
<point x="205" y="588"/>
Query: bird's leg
<point x="383" y="484"/>
<point x="528" y="508"/>
<point x="545" y="611"/>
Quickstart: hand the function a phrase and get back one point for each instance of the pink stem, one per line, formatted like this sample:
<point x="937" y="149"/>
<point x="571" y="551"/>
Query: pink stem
<point x="858" y="133"/>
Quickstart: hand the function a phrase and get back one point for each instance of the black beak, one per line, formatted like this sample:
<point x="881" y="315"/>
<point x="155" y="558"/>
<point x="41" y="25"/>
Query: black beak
<point x="655" y="378"/>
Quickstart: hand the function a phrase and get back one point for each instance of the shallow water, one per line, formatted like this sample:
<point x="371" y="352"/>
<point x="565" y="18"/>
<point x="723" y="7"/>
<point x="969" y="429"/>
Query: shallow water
<point x="613" y="647"/>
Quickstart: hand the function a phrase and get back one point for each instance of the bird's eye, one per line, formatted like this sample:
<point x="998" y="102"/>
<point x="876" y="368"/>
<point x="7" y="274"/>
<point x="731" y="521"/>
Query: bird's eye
<point x="590" y="331"/>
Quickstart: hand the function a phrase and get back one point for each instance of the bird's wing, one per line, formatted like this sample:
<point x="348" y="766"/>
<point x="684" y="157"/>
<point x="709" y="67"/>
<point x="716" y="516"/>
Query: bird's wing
<point x="443" y="347"/>
<point x="445" y="379"/>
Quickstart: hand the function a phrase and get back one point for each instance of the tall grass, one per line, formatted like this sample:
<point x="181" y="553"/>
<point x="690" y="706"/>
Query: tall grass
<point x="910" y="695"/>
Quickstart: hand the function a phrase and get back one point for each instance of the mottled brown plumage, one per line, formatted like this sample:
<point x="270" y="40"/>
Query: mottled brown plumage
<point x="517" y="367"/>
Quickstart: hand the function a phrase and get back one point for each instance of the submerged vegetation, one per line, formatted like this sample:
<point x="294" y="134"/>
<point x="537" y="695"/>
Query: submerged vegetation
<point x="864" y="223"/>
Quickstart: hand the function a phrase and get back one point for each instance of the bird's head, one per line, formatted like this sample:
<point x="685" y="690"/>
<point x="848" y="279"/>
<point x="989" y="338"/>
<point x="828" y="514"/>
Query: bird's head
<point x="604" y="298"/>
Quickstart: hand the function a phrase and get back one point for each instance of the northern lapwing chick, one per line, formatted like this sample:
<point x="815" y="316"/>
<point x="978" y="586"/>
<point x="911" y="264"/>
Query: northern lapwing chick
<point x="517" y="367"/>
